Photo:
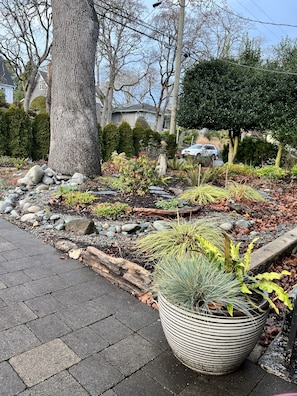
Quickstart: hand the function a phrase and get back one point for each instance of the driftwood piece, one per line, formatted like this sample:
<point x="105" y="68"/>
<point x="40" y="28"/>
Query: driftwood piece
<point x="164" y="212"/>
<point x="124" y="273"/>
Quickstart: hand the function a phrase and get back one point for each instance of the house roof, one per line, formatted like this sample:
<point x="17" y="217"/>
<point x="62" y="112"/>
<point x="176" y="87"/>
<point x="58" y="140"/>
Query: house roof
<point x="144" y="107"/>
<point x="43" y="75"/>
<point x="5" y="77"/>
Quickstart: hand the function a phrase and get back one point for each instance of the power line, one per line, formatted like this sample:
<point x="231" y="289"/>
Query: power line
<point x="255" y="20"/>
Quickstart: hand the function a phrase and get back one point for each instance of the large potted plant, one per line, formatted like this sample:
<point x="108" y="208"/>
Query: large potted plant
<point x="212" y="309"/>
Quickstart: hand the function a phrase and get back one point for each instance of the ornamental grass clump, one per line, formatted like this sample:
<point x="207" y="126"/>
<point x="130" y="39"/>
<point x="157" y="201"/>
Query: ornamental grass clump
<point x="243" y="192"/>
<point x="180" y="240"/>
<point x="204" y="194"/>
<point x="196" y="284"/>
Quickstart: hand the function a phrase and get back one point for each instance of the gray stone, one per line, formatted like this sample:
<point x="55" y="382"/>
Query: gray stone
<point x="81" y="226"/>
<point x="47" y="180"/>
<point x="16" y="340"/>
<point x="35" y="174"/>
<point x="243" y="224"/>
<point x="48" y="328"/>
<point x="41" y="187"/>
<point x="40" y="363"/>
<point x="34" y="209"/>
<point x="28" y="218"/>
<point x="129" y="228"/>
<point x="226" y="226"/>
<point x="161" y="225"/>
<point x="77" y="178"/>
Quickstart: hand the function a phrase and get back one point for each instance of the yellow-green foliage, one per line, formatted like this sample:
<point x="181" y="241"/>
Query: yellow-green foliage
<point x="272" y="172"/>
<point x="110" y="209"/>
<point x="180" y="239"/>
<point x="241" y="192"/>
<point x="237" y="170"/>
<point x="10" y="161"/>
<point x="204" y="194"/>
<point x="73" y="198"/>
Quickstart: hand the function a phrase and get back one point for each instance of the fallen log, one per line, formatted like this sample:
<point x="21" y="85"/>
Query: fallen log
<point x="124" y="273"/>
<point x="169" y="213"/>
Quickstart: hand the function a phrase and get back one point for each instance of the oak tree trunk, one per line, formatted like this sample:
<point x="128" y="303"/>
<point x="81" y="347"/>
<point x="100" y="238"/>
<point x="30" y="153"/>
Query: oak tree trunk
<point x="74" y="145"/>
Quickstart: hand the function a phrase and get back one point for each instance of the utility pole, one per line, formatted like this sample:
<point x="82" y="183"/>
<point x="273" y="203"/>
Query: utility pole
<point x="180" y="33"/>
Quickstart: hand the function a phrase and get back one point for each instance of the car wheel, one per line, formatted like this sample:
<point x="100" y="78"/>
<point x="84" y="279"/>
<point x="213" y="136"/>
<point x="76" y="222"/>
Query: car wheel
<point x="213" y="157"/>
<point x="198" y="155"/>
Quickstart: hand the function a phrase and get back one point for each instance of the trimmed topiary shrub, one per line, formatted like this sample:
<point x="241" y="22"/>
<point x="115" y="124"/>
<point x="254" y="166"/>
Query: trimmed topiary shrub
<point x="100" y="137"/>
<point x="139" y="138"/>
<point x="39" y="104"/>
<point x="125" y="139"/>
<point x="3" y="133"/>
<point x="171" y="147"/>
<point x="110" y="138"/>
<point x="41" y="136"/>
<point x="19" y="133"/>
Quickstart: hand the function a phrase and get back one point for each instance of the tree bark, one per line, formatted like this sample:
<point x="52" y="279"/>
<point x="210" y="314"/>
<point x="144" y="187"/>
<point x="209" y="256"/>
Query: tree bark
<point x="74" y="145"/>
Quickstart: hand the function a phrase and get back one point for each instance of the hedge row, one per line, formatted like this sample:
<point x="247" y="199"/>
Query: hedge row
<point x="22" y="136"/>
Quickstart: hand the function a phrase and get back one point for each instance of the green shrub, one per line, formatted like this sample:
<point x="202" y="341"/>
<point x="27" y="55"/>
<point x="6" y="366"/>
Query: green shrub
<point x="100" y="138"/>
<point x="139" y="138"/>
<point x="171" y="147"/>
<point x="39" y="104"/>
<point x="73" y="198"/>
<point x="272" y="172"/>
<point x="294" y="170"/>
<point x="255" y="151"/>
<point x="41" y="136"/>
<point x="110" y="209"/>
<point x="170" y="204"/>
<point x="125" y="144"/>
<point x="137" y="175"/>
<point x="19" y="133"/>
<point x="3" y="133"/>
<point x="110" y="139"/>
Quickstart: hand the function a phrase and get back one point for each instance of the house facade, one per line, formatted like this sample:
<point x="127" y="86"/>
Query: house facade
<point x="6" y="83"/>
<point x="131" y="114"/>
<point x="40" y="88"/>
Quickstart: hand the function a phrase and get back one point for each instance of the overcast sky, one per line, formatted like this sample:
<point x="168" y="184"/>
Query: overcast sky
<point x="273" y="11"/>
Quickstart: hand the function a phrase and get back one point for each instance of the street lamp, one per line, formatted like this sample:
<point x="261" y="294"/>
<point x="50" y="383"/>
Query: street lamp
<point x="180" y="34"/>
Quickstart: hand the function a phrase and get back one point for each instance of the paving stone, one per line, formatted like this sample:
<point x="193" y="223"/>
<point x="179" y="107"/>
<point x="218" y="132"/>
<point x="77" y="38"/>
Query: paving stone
<point x="140" y="316"/>
<point x="154" y="333"/>
<point x="170" y="373"/>
<point x="46" y="285"/>
<point x="140" y="384"/>
<point x="96" y="375"/>
<point x="48" y="328"/>
<point x="21" y="263"/>
<point x="81" y="293"/>
<point x="54" y="263"/>
<point x="14" y="315"/>
<point x="118" y="299"/>
<point x="14" y="254"/>
<point x="16" y="340"/>
<point x="39" y="272"/>
<point x="6" y="246"/>
<point x="238" y="382"/>
<point x="77" y="276"/>
<point x="2" y="259"/>
<point x="11" y="384"/>
<point x="203" y="389"/>
<point x="130" y="354"/>
<point x="15" y="278"/>
<point x="42" y="362"/>
<point x="111" y="329"/>
<point x="15" y="294"/>
<point x="272" y="385"/>
<point x="61" y="384"/>
<point x="82" y="315"/>
<point x="2" y="285"/>
<point x="85" y="342"/>
<point x="44" y="305"/>
<point x="110" y="392"/>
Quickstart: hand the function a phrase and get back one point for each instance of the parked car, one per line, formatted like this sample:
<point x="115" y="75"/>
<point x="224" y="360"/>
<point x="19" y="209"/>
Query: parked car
<point x="201" y="150"/>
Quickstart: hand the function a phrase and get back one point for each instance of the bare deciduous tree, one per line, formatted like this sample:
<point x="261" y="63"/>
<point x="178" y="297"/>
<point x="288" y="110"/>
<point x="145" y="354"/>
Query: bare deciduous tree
<point x="25" y="39"/>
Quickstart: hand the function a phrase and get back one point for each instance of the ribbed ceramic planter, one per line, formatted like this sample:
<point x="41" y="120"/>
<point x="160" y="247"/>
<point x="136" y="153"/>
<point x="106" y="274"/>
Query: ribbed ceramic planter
<point x="210" y="344"/>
